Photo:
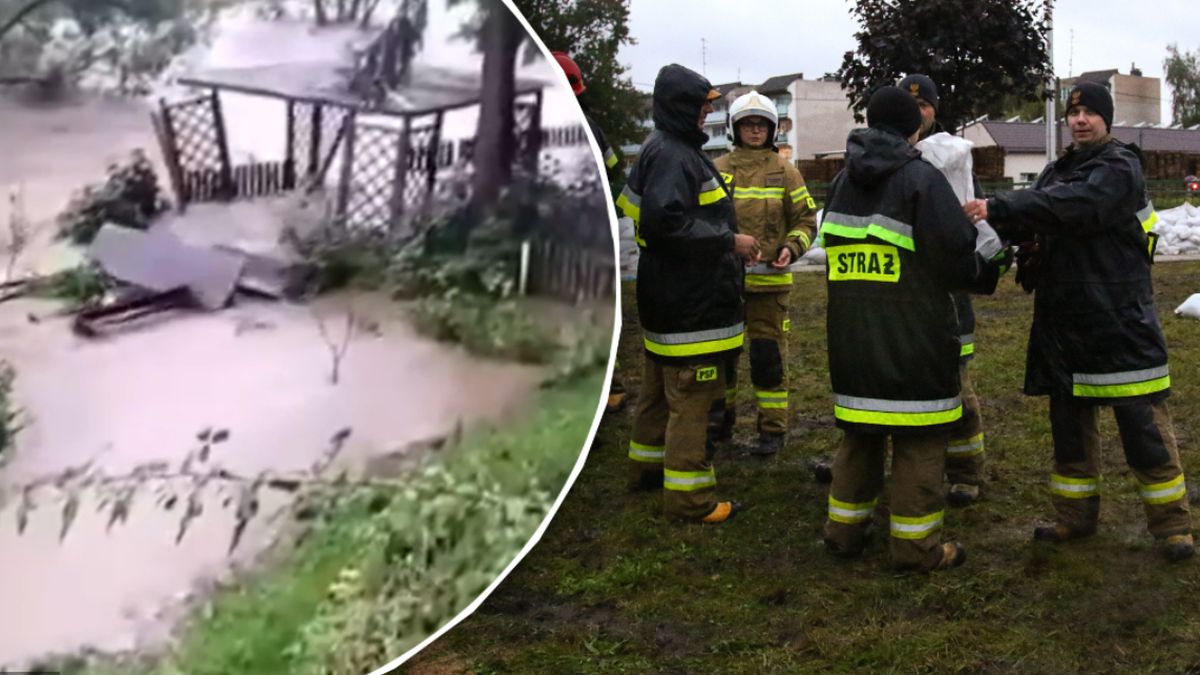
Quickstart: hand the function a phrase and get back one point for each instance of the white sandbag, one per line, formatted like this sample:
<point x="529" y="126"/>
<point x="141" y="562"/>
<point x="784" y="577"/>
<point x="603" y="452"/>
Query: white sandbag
<point x="952" y="156"/>
<point x="1191" y="211"/>
<point x="814" y="256"/>
<point x="1190" y="307"/>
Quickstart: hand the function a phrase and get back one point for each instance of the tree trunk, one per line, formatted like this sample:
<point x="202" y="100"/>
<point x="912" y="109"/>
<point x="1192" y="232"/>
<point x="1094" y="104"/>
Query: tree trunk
<point x="319" y="11"/>
<point x="495" y="143"/>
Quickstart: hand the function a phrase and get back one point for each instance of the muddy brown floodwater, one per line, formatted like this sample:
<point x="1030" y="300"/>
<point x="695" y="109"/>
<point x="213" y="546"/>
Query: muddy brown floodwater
<point x="259" y="370"/>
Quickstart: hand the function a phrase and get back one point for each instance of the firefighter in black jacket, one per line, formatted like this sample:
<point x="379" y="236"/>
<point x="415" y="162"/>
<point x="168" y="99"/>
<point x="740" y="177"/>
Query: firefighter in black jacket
<point x="898" y="245"/>
<point x="690" y="281"/>
<point x="1096" y="339"/>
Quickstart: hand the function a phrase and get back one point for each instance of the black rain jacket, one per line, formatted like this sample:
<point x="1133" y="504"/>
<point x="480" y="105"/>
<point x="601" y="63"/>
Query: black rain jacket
<point x="898" y="246"/>
<point x="689" y="281"/>
<point x="1096" y="334"/>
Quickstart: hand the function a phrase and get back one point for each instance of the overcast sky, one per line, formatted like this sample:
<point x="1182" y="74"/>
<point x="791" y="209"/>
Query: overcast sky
<point x="751" y="40"/>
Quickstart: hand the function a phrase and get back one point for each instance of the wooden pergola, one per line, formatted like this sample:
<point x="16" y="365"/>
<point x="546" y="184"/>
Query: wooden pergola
<point x="384" y="168"/>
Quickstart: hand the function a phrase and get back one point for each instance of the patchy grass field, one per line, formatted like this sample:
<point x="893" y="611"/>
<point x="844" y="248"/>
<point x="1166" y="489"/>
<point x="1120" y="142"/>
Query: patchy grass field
<point x="614" y="588"/>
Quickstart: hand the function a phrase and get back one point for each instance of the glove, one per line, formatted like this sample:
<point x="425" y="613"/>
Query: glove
<point x="1029" y="258"/>
<point x="1003" y="260"/>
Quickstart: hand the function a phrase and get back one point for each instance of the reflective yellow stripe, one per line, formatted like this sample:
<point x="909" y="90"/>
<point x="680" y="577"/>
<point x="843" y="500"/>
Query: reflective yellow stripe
<point x="730" y="395"/>
<point x="772" y="399"/>
<point x="802" y="235"/>
<point x="728" y="178"/>
<point x="787" y="325"/>
<point x="695" y="348"/>
<point x="845" y="512"/>
<point x="1074" y="488"/>
<point x="919" y="527"/>
<point x="711" y="196"/>
<point x="896" y="419"/>
<point x="799" y="194"/>
<point x="1148" y="217"/>
<point x="757" y="193"/>
<point x="631" y="203"/>
<point x="860" y="227"/>
<point x="768" y="279"/>
<point x="968" y="348"/>
<point x="1119" y="390"/>
<point x="610" y="158"/>
<point x="654" y="454"/>
<point x="1164" y="493"/>
<point x="686" y="481"/>
<point x="967" y="448"/>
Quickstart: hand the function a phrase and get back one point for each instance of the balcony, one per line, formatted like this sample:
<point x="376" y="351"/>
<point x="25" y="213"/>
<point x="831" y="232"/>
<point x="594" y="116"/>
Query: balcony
<point x="717" y="143"/>
<point x="718" y="117"/>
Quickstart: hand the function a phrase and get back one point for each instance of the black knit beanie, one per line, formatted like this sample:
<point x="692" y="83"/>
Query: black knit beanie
<point x="922" y="86"/>
<point x="1095" y="97"/>
<point x="895" y="110"/>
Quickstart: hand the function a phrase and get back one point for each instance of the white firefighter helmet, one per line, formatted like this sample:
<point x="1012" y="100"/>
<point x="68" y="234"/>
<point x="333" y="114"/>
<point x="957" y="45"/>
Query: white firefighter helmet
<point x="749" y="105"/>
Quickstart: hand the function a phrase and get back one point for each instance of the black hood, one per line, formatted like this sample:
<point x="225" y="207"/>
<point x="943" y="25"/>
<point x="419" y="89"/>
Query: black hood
<point x="872" y="155"/>
<point x="679" y="95"/>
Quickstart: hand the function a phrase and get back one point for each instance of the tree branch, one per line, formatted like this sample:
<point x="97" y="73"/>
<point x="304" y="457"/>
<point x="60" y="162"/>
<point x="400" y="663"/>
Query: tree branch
<point x="14" y="20"/>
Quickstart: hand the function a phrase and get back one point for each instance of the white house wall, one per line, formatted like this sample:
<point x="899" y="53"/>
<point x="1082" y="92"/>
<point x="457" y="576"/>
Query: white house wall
<point x="821" y="119"/>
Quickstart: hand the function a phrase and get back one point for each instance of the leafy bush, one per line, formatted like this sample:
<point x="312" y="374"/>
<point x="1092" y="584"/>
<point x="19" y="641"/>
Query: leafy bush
<point x="79" y="286"/>
<point x="484" y="326"/>
<point x="130" y="196"/>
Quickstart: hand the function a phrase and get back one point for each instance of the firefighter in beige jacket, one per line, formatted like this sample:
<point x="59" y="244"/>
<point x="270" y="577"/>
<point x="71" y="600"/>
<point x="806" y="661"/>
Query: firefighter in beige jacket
<point x="773" y="206"/>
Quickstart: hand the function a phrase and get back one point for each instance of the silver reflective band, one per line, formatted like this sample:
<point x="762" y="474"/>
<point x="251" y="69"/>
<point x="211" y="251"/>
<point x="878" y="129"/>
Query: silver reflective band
<point x="837" y="510"/>
<point x="889" y="224"/>
<point x="921" y="527"/>
<point x="700" y="480"/>
<point x="883" y="405"/>
<point x="633" y="197"/>
<point x="965" y="449"/>
<point x="766" y="268"/>
<point x="710" y="184"/>
<point x="967" y="339"/>
<point x="1171" y="491"/>
<point x="1072" y="487"/>
<point x="695" y="336"/>
<point x="1145" y="213"/>
<point x="1121" y="378"/>
<point x="648" y="454"/>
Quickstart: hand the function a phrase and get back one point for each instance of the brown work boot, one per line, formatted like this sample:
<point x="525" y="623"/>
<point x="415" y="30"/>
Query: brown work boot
<point x="616" y="403"/>
<point x="722" y="512"/>
<point x="953" y="555"/>
<point x="1058" y="533"/>
<point x="962" y="495"/>
<point x="1178" y="548"/>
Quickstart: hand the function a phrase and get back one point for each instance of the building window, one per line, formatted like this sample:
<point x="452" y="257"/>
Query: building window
<point x="1028" y="177"/>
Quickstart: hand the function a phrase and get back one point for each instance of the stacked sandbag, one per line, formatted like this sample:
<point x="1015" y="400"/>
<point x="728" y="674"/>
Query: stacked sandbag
<point x="1178" y="230"/>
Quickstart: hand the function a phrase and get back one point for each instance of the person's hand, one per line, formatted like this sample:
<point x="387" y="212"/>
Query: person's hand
<point x="784" y="259"/>
<point x="976" y="210"/>
<point x="746" y="248"/>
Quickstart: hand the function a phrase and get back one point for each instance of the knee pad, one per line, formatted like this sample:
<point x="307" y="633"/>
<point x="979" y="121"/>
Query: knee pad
<point x="766" y="363"/>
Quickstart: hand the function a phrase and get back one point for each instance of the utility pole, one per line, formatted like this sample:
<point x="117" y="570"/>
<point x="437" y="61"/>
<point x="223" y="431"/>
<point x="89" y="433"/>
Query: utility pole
<point x="703" y="58"/>
<point x="1051" y="103"/>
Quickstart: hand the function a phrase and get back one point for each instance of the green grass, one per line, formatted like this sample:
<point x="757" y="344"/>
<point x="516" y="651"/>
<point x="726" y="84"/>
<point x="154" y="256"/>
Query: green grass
<point x="614" y="588"/>
<point x="478" y="505"/>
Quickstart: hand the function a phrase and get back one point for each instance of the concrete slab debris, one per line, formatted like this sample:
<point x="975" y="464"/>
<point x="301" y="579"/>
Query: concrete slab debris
<point x="160" y="262"/>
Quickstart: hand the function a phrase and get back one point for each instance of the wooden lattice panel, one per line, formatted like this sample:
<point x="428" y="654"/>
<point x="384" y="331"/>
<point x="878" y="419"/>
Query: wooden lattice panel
<point x="326" y="133"/>
<point x="194" y="128"/>
<point x="372" y="176"/>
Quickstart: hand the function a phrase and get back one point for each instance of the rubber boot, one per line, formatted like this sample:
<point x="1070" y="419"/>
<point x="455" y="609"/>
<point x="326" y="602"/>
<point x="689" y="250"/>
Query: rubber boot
<point x="1178" y="548"/>
<point x="768" y="443"/>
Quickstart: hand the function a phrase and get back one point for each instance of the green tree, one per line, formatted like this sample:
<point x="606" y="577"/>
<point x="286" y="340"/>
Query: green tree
<point x="1183" y="77"/>
<point x="979" y="52"/>
<point x="592" y="32"/>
